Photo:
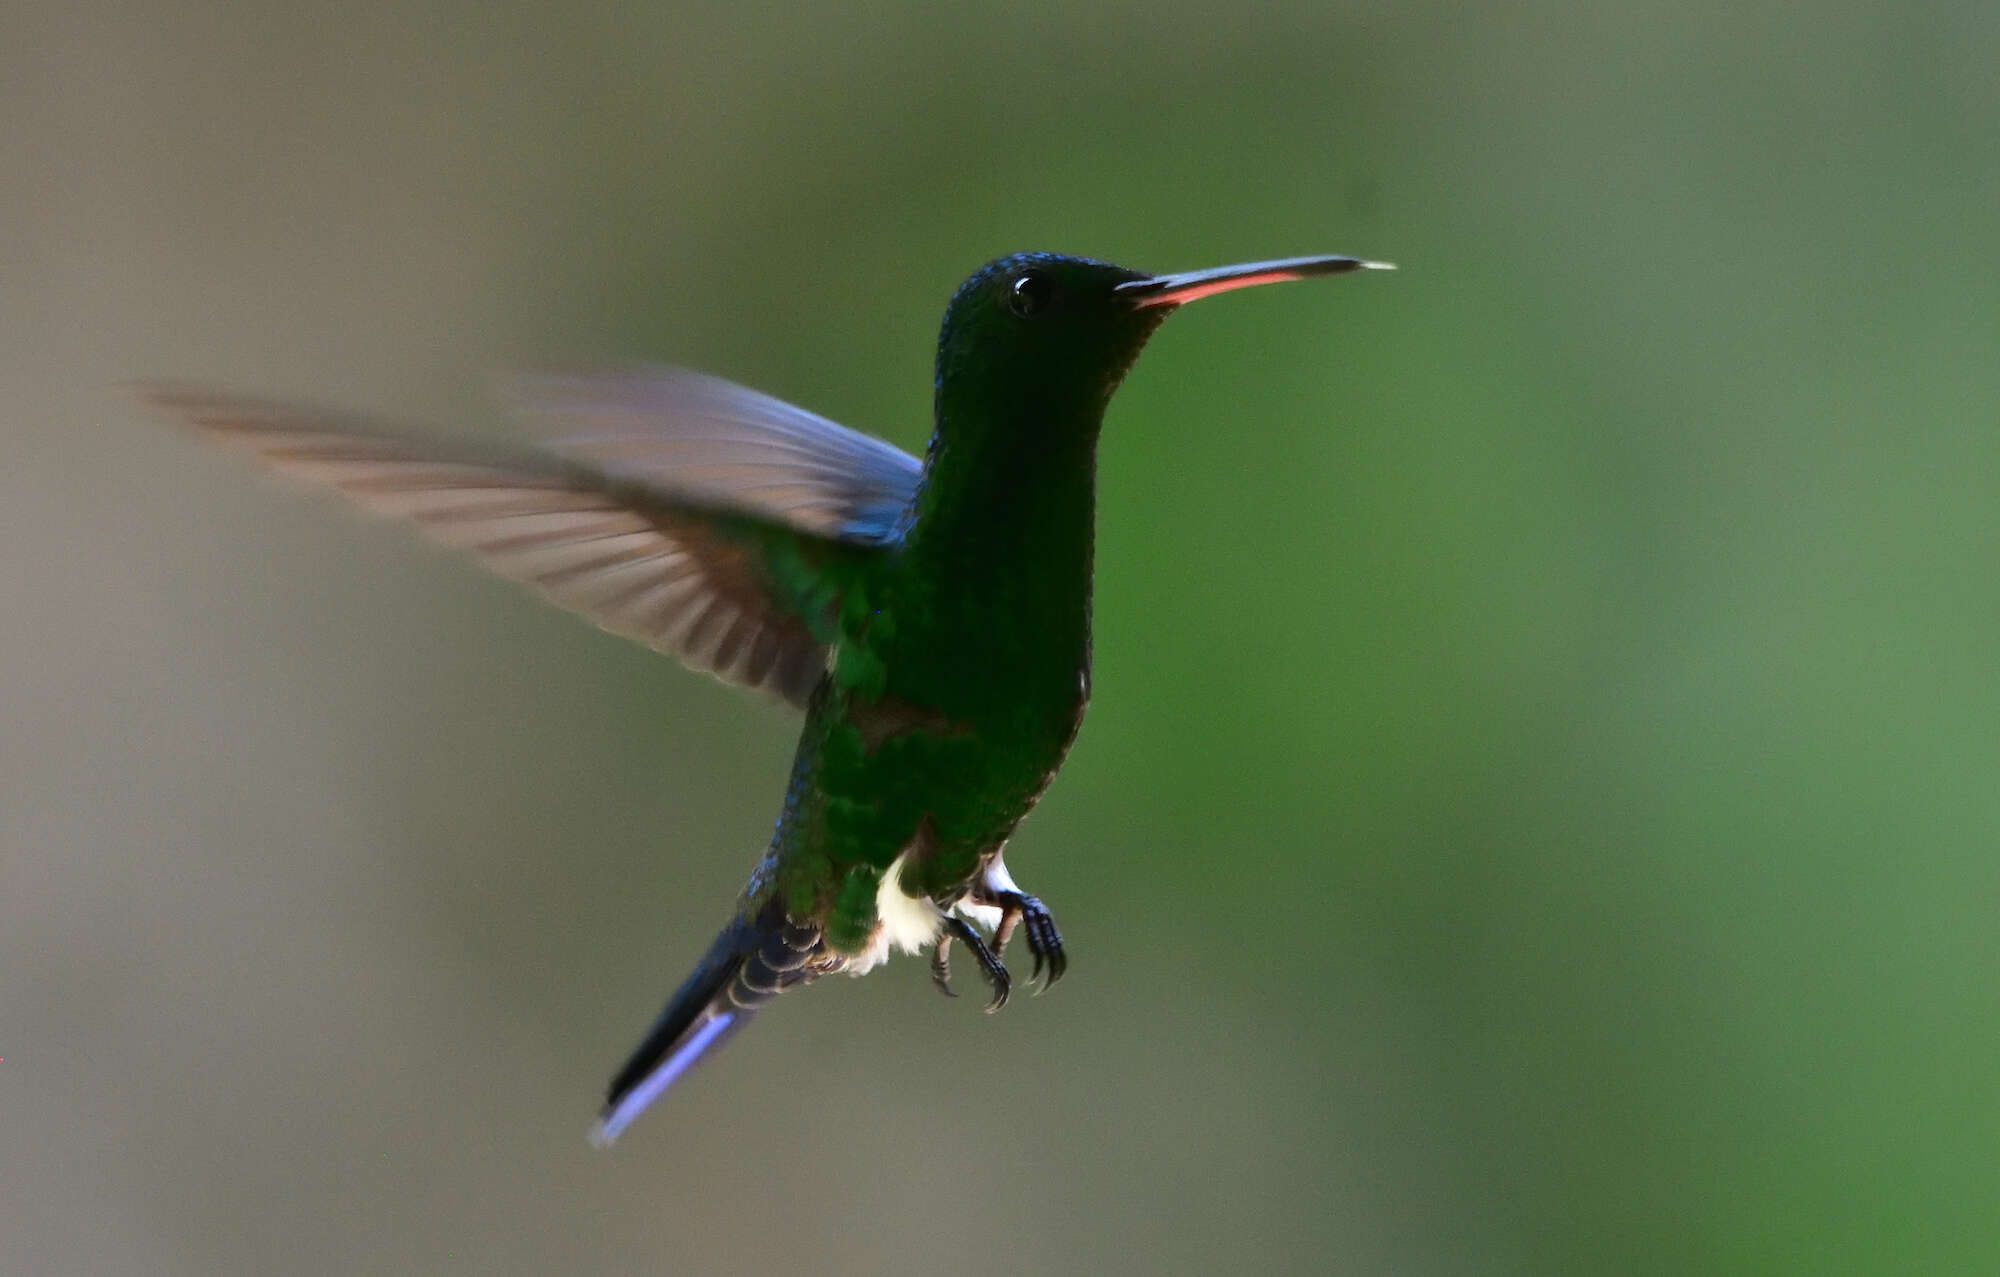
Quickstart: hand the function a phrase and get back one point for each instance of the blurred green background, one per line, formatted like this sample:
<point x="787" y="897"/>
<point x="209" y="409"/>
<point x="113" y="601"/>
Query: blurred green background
<point x="1539" y="809"/>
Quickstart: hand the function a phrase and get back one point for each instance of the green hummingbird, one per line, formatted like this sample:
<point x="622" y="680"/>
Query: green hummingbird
<point x="931" y="618"/>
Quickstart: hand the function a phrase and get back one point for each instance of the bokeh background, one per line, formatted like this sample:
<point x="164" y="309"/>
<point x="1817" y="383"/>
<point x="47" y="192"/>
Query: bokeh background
<point x="1539" y="813"/>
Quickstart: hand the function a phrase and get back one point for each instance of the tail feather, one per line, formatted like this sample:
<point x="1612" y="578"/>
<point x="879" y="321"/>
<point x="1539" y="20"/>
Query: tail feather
<point x="748" y="965"/>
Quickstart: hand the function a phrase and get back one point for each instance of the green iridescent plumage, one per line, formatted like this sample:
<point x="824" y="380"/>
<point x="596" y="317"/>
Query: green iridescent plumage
<point x="933" y="620"/>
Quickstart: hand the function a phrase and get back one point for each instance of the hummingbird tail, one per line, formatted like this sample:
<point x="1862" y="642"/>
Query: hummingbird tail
<point x="748" y="965"/>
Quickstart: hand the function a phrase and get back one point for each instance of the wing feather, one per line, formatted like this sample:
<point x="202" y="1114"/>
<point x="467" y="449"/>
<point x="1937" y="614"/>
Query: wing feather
<point x="657" y="531"/>
<point x="685" y="430"/>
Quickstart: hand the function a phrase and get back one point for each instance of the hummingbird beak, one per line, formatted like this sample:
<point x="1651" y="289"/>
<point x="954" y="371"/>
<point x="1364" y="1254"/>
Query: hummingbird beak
<point x="1193" y="285"/>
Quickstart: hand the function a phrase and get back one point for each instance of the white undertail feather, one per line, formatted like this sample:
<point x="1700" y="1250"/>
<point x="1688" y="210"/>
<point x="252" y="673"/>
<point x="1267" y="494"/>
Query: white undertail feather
<point x="913" y="923"/>
<point x="909" y="923"/>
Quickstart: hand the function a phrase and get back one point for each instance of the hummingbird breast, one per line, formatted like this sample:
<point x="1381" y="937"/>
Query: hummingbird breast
<point x="983" y="694"/>
<point x="1006" y="659"/>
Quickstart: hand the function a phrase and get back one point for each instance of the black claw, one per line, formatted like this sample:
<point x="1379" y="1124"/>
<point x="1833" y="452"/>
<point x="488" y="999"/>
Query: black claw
<point x="957" y="928"/>
<point x="1044" y="941"/>
<point x="1057" y="965"/>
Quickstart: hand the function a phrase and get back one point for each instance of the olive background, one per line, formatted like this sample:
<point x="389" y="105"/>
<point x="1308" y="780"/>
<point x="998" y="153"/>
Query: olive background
<point x="1538" y="812"/>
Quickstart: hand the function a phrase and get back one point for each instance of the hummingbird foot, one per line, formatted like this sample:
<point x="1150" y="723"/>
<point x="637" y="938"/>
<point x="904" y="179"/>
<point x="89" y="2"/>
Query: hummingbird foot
<point x="997" y="895"/>
<point x="957" y="928"/>
<point x="1017" y="909"/>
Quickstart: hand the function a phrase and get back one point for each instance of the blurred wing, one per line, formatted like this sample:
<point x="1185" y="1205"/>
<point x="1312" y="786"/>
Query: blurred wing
<point x="684" y="431"/>
<point x="681" y="567"/>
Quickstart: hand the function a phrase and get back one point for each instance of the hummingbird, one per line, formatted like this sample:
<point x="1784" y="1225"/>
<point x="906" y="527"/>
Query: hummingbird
<point x="931" y="618"/>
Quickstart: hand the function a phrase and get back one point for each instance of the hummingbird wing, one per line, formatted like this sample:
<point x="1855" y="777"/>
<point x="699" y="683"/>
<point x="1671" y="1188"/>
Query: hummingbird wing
<point x="687" y="430"/>
<point x="726" y="545"/>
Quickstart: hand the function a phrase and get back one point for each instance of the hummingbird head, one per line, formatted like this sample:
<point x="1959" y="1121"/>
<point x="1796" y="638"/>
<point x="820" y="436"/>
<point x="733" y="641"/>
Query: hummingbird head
<point x="1032" y="348"/>
<point x="1042" y="333"/>
<point x="1045" y="339"/>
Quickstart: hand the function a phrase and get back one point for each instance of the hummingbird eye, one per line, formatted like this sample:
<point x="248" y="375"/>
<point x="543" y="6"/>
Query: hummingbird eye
<point x="1029" y="294"/>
